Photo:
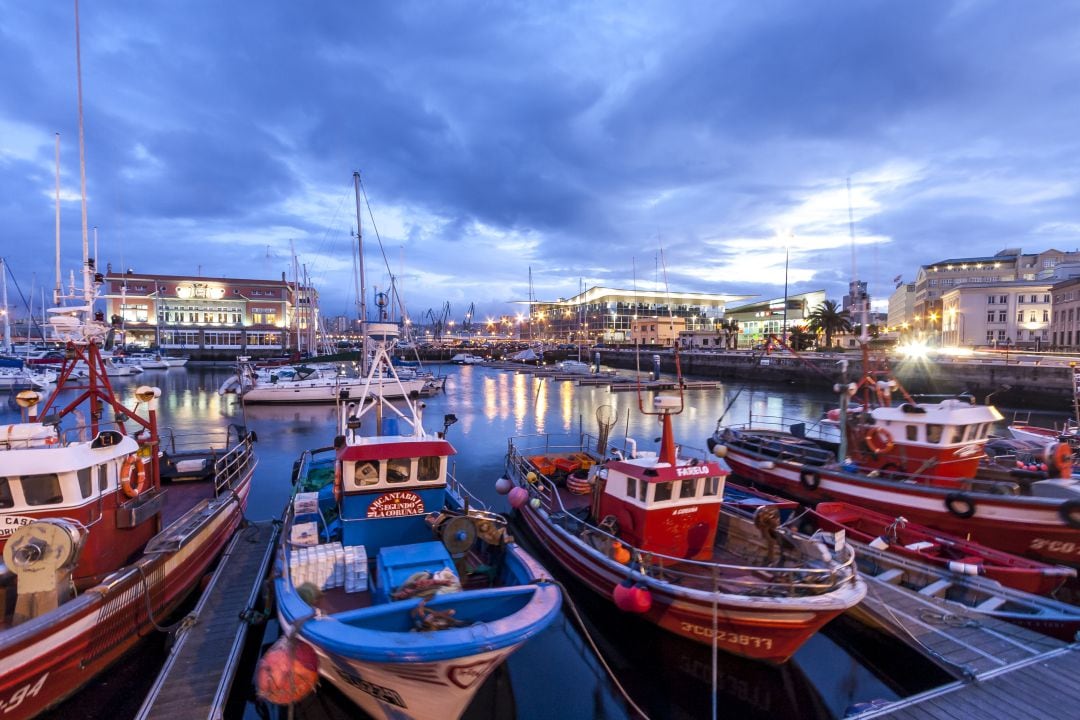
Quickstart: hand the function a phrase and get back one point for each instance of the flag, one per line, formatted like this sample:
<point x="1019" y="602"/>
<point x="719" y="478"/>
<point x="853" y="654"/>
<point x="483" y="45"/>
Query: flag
<point x="897" y="278"/>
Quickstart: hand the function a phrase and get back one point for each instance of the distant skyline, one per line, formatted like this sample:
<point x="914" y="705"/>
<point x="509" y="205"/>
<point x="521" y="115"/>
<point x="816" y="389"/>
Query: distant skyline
<point x="624" y="144"/>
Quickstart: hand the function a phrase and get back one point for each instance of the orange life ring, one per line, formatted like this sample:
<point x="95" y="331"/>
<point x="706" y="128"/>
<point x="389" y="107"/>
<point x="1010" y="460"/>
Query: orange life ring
<point x="1059" y="459"/>
<point x="879" y="440"/>
<point x="133" y="476"/>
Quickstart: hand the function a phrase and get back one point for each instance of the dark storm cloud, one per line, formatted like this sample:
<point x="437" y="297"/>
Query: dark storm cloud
<point x="615" y="144"/>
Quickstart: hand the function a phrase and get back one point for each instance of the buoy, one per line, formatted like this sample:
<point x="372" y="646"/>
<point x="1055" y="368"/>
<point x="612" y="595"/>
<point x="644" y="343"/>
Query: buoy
<point x="720" y="451"/>
<point x="518" y="496"/>
<point x="503" y="485"/>
<point x="619" y="553"/>
<point x="535" y="503"/>
<point x="287" y="672"/>
<point x="631" y="597"/>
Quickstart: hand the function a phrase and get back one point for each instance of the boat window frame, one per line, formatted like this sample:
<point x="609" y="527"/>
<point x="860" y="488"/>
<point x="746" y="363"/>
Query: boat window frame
<point x="694" y="487"/>
<point x="911" y="432"/>
<point x="669" y="485"/>
<point x="393" y="465"/>
<point x="935" y="432"/>
<point x="643" y="491"/>
<point x="7" y="499"/>
<point x="424" y="460"/>
<point x="631" y="487"/>
<point x="361" y="482"/>
<point x="85" y="477"/>
<point x="711" y="486"/>
<point x="32" y="500"/>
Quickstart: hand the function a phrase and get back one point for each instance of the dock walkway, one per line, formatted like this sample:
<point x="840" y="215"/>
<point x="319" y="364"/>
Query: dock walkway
<point x="1002" y="670"/>
<point x="195" y="681"/>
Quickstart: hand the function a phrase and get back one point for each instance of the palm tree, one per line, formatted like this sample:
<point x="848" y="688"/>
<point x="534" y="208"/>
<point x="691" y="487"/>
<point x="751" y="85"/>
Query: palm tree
<point x="729" y="330"/>
<point x="827" y="318"/>
<point x="800" y="338"/>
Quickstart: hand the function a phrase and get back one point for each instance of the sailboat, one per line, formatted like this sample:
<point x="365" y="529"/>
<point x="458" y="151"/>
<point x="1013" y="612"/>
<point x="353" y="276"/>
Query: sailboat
<point x="407" y="591"/>
<point x="101" y="541"/>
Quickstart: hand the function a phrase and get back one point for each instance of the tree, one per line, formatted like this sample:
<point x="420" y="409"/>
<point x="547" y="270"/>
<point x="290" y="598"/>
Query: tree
<point x="800" y="338"/>
<point x="729" y="330"/>
<point x="828" y="318"/>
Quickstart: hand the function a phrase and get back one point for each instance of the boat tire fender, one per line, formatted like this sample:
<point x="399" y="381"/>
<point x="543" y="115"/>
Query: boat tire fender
<point x="810" y="478"/>
<point x="1070" y="513"/>
<point x="133" y="476"/>
<point x="960" y="505"/>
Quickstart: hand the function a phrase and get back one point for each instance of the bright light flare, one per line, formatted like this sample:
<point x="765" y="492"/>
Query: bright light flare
<point x="918" y="350"/>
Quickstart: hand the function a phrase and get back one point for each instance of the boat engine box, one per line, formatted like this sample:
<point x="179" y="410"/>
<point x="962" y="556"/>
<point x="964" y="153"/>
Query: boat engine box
<point x="397" y="564"/>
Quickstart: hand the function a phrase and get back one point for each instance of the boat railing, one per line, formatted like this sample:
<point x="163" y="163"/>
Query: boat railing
<point x="231" y="467"/>
<point x="223" y="437"/>
<point x="813" y="429"/>
<point x="743" y="579"/>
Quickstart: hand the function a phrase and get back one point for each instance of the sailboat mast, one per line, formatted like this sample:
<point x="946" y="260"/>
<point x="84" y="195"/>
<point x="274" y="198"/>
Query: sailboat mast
<point x="6" y="346"/>
<point x="88" y="292"/>
<point x="363" y="286"/>
<point x="58" y="291"/>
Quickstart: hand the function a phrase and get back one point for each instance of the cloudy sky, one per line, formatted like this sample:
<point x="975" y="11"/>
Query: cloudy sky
<point x="639" y="144"/>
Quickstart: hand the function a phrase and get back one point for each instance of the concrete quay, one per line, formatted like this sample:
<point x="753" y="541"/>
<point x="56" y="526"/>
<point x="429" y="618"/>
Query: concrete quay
<point x="1036" y="382"/>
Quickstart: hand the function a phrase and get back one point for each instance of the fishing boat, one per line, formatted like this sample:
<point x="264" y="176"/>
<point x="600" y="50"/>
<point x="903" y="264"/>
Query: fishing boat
<point x="647" y="531"/>
<point x="983" y="595"/>
<point x="407" y="591"/>
<point x="925" y="461"/>
<point x="105" y="527"/>
<point x="955" y="554"/>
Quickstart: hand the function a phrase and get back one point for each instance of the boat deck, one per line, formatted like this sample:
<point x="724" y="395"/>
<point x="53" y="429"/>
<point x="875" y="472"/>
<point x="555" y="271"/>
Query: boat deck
<point x="196" y="678"/>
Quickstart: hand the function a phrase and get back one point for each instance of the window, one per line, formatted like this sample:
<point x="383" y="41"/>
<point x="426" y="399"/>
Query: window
<point x="427" y="468"/>
<point x="1020" y="316"/>
<point x="631" y="487"/>
<point x="367" y="473"/>
<point x="1003" y="299"/>
<point x="103" y="478"/>
<point x="956" y="434"/>
<point x="6" y="500"/>
<point x="991" y="299"/>
<point x="1046" y="298"/>
<point x="41" y="489"/>
<point x="662" y="491"/>
<point x="933" y="433"/>
<point x="86" y="485"/>
<point x="1031" y="316"/>
<point x="911" y="432"/>
<point x="712" y="486"/>
<point x="397" y="470"/>
<point x="989" y="337"/>
<point x="1001" y="316"/>
<point x="990" y="316"/>
<point x="688" y="489"/>
<point x="1001" y="336"/>
<point x="1046" y="316"/>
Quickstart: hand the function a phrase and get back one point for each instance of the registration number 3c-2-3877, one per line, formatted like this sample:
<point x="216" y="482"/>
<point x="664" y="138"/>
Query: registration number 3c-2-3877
<point x="16" y="698"/>
<point x="729" y="637"/>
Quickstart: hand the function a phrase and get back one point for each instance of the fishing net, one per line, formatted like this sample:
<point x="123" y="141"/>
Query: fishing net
<point x="605" y="419"/>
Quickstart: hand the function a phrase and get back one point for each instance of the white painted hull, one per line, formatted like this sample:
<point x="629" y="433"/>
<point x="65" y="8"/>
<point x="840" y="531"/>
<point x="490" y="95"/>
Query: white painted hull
<point x="328" y="390"/>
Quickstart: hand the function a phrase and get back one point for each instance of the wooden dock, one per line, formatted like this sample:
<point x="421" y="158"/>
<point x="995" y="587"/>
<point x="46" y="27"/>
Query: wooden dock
<point x="195" y="681"/>
<point x="1002" y="670"/>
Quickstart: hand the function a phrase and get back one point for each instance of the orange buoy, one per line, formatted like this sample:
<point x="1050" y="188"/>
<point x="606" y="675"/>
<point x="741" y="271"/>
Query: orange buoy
<point x="287" y="672"/>
<point x="619" y="553"/>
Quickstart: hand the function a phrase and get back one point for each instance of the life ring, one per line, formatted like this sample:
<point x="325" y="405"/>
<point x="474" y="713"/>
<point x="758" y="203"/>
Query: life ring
<point x="810" y="478"/>
<point x="960" y="505"/>
<point x="1070" y="513"/>
<point x="133" y="476"/>
<point x="879" y="440"/>
<point x="1059" y="459"/>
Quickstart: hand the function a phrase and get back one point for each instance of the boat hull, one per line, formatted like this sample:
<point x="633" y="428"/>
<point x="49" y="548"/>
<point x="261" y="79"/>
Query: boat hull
<point x="325" y="391"/>
<point x="759" y="628"/>
<point x="47" y="659"/>
<point x="1023" y="525"/>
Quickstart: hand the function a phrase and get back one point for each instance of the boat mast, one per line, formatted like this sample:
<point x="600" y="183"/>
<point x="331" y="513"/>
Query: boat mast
<point x="88" y="292"/>
<point x="57" y="292"/>
<point x="363" y="287"/>
<point x="6" y="346"/>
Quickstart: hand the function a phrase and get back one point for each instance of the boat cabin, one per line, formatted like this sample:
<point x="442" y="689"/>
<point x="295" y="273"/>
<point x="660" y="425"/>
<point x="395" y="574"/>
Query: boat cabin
<point x="944" y="439"/>
<point x="663" y="508"/>
<point x="389" y="484"/>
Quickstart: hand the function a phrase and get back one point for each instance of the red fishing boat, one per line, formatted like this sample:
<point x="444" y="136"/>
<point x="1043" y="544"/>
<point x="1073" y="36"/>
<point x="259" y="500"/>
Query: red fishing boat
<point x="647" y="531"/>
<point x="920" y="460"/>
<point x="956" y="554"/>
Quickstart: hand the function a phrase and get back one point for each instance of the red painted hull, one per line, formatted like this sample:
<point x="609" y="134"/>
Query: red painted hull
<point x="770" y="631"/>
<point x="47" y="659"/>
<point x="1022" y="525"/>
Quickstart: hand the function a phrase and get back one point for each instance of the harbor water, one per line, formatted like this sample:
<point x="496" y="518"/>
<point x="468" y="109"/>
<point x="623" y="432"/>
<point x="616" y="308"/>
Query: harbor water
<point x="560" y="673"/>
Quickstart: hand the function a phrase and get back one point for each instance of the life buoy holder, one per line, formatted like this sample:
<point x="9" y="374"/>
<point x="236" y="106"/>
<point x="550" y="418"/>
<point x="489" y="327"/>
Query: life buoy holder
<point x="133" y="476"/>
<point x="879" y="440"/>
<point x="1070" y="513"/>
<point x="810" y="478"/>
<point x="960" y="505"/>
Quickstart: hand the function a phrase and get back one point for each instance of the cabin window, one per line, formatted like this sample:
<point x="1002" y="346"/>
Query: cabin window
<point x="6" y="500"/>
<point x="631" y="487"/>
<point x="397" y="470"/>
<point x="103" y="477"/>
<point x="643" y="490"/>
<point x="688" y="489"/>
<point x="933" y="433"/>
<point x="662" y="491"/>
<point x="712" y="486"/>
<point x="911" y="432"/>
<point x="41" y="489"/>
<point x="86" y="482"/>
<point x="427" y="468"/>
<point x="970" y="432"/>
<point x="957" y="434"/>
<point x="367" y="473"/>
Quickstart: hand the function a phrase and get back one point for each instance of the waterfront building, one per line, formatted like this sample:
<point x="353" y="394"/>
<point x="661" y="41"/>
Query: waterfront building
<point x="607" y="315"/>
<point x="901" y="307"/>
<point x="211" y="317"/>
<point x="663" y="330"/>
<point x="1065" y="316"/>
<point x="1009" y="265"/>
<point x="760" y="319"/>
<point x="1003" y="314"/>
<point x="856" y="299"/>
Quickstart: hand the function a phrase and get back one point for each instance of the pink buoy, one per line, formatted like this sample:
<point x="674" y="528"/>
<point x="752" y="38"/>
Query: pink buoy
<point x="631" y="597"/>
<point x="518" y="496"/>
<point x="287" y="672"/>
<point x="503" y="485"/>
